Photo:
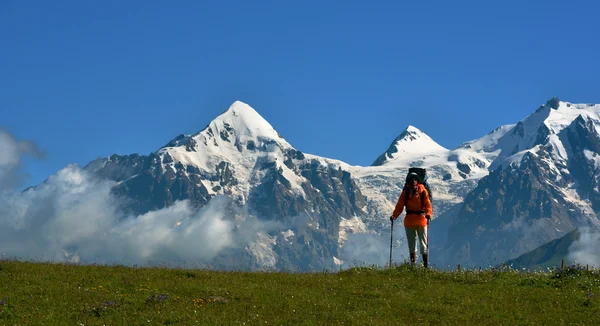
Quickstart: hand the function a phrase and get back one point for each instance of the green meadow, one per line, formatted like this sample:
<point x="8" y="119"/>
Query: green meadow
<point x="67" y="294"/>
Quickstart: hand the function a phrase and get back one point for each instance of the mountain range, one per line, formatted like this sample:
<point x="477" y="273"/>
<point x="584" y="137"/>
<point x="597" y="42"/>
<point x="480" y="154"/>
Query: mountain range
<point x="495" y="198"/>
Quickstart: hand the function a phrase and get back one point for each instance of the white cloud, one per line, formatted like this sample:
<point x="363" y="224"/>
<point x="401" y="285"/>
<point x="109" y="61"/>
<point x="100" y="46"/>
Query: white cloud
<point x="75" y="213"/>
<point x="585" y="250"/>
<point x="365" y="249"/>
<point x="74" y="217"/>
<point x="13" y="151"/>
<point x="529" y="234"/>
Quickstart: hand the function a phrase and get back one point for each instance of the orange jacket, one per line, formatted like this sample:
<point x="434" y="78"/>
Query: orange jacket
<point x="414" y="202"/>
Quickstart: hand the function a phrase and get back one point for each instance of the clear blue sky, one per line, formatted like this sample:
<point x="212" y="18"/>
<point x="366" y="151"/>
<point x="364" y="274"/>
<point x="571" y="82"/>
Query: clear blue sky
<point x="340" y="79"/>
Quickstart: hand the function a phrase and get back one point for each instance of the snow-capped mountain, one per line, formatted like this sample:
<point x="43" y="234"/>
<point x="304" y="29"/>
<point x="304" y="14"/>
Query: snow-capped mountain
<point x="412" y="144"/>
<point x="241" y="156"/>
<point x="413" y="147"/>
<point x="452" y="173"/>
<point x="540" y="175"/>
<point x="542" y="128"/>
<point x="543" y="184"/>
<point x="235" y="142"/>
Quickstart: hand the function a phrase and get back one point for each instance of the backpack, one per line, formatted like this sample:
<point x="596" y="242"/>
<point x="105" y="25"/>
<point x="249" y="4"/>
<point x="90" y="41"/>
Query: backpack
<point x="422" y="174"/>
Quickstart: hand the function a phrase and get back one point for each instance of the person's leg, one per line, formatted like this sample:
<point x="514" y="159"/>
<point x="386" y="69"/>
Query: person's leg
<point x="411" y="238"/>
<point x="424" y="244"/>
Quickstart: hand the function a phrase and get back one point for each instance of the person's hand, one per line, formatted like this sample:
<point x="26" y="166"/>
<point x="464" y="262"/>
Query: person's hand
<point x="428" y="217"/>
<point x="392" y="218"/>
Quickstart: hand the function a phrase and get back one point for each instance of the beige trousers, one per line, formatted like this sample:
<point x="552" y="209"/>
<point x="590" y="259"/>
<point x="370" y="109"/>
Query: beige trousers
<point x="411" y="237"/>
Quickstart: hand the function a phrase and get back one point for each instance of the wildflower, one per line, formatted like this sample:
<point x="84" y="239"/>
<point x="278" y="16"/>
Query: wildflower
<point x="198" y="302"/>
<point x="163" y="297"/>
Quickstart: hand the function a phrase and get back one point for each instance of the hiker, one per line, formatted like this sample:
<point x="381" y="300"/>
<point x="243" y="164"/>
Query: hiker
<point x="418" y="214"/>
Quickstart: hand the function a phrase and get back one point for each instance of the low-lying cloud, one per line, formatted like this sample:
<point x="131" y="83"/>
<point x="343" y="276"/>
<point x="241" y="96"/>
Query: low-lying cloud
<point x="74" y="217"/>
<point x="585" y="250"/>
<point x="366" y="249"/>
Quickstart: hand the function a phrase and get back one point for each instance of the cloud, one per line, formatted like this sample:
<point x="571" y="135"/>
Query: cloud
<point x="365" y="249"/>
<point x="522" y="235"/>
<point x="532" y="234"/>
<point x="13" y="151"/>
<point x="585" y="251"/>
<point x="74" y="217"/>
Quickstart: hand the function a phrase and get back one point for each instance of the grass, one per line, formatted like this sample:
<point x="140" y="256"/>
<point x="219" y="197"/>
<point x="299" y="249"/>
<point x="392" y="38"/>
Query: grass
<point x="63" y="294"/>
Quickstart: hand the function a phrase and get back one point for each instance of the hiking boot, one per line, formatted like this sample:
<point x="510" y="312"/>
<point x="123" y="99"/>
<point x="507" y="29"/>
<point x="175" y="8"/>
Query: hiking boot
<point x="413" y="258"/>
<point x="425" y="260"/>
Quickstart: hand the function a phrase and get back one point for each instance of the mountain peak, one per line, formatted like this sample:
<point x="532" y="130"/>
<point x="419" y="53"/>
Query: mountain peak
<point x="411" y="143"/>
<point x="243" y="120"/>
<point x="553" y="103"/>
<point x="412" y="133"/>
<point x="243" y="115"/>
<point x="412" y="128"/>
<point x="242" y="107"/>
<point x="239" y="124"/>
<point x="542" y="127"/>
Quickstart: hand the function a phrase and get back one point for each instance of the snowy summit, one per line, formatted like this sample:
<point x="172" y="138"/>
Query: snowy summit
<point x="239" y="141"/>
<point x="547" y="126"/>
<point x="412" y="144"/>
<point x="238" y="129"/>
<point x="246" y="122"/>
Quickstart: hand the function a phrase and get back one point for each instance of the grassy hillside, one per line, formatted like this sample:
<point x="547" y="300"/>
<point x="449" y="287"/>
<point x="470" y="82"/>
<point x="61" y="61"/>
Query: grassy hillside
<point x="60" y="294"/>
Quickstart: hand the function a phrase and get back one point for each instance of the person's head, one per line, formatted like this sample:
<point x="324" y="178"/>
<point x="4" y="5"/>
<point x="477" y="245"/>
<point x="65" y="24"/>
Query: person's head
<point x="412" y="179"/>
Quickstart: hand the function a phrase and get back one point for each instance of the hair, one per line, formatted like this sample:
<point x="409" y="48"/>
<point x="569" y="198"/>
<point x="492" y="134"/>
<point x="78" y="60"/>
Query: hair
<point x="413" y="176"/>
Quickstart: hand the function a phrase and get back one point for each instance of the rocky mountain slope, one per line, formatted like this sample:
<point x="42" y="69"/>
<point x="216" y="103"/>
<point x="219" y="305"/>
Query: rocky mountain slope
<point x="542" y="185"/>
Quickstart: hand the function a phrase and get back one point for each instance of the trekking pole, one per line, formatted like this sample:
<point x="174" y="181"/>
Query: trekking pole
<point x="427" y="241"/>
<point x="391" y="241"/>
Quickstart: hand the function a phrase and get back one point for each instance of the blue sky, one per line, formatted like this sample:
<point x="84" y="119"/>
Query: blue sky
<point x="85" y="79"/>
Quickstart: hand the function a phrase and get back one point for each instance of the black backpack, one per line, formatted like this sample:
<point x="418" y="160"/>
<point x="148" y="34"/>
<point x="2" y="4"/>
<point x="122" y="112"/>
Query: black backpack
<point x="422" y="174"/>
